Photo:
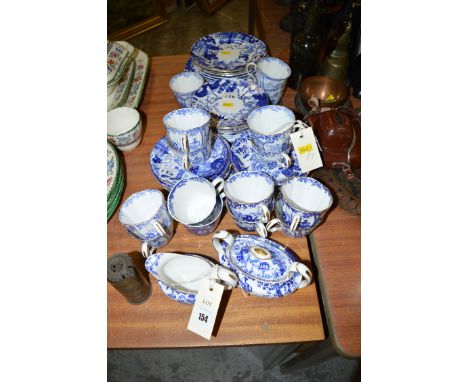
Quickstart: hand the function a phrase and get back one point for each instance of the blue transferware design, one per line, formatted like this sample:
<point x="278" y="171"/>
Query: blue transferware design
<point x="168" y="169"/>
<point x="249" y="212"/>
<point x="309" y="220"/>
<point x="273" y="86"/>
<point x="145" y="230"/>
<point x="275" y="143"/>
<point x="155" y="265"/>
<point x="242" y="224"/>
<point x="210" y="77"/>
<point x="246" y="158"/>
<point x="196" y="134"/>
<point x="299" y="232"/>
<point x="264" y="267"/>
<point x="208" y="225"/>
<point x="195" y="157"/>
<point x="231" y="101"/>
<point x="229" y="51"/>
<point x="185" y="99"/>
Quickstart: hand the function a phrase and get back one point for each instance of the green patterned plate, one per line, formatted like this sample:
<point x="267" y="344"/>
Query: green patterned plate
<point x="113" y="166"/>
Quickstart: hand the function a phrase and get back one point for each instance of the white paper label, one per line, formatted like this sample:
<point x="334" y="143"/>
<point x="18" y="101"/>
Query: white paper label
<point x="307" y="152"/>
<point x="205" y="309"/>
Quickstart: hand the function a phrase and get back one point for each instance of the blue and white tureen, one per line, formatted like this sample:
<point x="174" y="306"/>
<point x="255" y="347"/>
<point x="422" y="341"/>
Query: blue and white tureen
<point x="179" y="275"/>
<point x="264" y="268"/>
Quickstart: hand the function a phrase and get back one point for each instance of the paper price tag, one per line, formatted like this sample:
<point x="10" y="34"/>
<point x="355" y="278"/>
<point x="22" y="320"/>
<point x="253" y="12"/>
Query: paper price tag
<point x="307" y="152"/>
<point x="205" y="309"/>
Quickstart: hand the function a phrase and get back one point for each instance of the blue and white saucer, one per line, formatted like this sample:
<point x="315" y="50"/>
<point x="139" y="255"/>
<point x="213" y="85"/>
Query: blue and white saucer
<point x="227" y="51"/>
<point x="229" y="100"/>
<point x="210" y="77"/>
<point x="245" y="158"/>
<point x="168" y="168"/>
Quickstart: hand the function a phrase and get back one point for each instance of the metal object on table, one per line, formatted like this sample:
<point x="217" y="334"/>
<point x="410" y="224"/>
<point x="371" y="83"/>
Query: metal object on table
<point x="329" y="92"/>
<point x="337" y="62"/>
<point x="125" y="277"/>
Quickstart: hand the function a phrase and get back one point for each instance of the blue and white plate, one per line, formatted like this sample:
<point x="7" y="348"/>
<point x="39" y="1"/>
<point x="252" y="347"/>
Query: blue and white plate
<point x="246" y="158"/>
<point x="168" y="168"/>
<point x="227" y="51"/>
<point x="231" y="101"/>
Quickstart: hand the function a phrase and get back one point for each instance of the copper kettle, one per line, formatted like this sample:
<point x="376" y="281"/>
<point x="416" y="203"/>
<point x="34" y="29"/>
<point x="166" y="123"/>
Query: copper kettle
<point x="339" y="134"/>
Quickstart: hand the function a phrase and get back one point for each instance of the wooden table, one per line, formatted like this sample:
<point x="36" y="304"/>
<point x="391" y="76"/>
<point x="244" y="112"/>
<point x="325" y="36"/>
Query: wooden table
<point x="161" y="322"/>
<point x="336" y="245"/>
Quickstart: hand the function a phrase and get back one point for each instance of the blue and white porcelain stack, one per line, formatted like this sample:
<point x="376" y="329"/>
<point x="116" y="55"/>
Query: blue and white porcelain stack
<point x="221" y="58"/>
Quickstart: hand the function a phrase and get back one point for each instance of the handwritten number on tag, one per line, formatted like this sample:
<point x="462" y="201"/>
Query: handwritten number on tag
<point x="203" y="317"/>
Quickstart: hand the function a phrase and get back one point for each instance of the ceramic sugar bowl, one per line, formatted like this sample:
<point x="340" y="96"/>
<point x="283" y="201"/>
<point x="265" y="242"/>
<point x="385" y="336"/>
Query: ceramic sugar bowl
<point x="179" y="275"/>
<point x="264" y="267"/>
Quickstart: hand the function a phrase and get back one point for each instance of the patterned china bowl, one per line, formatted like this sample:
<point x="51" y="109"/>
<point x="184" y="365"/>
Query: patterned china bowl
<point x="227" y="51"/>
<point x="264" y="268"/>
<point x="179" y="275"/>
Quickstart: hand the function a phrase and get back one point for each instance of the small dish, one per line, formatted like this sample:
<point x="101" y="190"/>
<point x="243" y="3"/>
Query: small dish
<point x="118" y="97"/>
<point x="168" y="169"/>
<point x="117" y="56"/>
<point x="227" y="51"/>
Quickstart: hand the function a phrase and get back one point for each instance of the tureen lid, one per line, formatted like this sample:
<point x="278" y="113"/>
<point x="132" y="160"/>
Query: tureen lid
<point x="260" y="258"/>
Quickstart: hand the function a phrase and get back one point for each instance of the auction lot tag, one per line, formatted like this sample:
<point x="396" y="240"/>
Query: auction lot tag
<point x="206" y="306"/>
<point x="307" y="152"/>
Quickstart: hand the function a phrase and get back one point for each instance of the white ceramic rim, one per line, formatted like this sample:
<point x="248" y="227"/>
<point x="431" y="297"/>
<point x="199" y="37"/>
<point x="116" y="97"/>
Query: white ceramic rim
<point x="116" y="113"/>
<point x="295" y="205"/>
<point x="261" y="174"/>
<point x="278" y="62"/>
<point x="152" y="191"/>
<point x="269" y="107"/>
<point x="174" y="81"/>
<point x="168" y="121"/>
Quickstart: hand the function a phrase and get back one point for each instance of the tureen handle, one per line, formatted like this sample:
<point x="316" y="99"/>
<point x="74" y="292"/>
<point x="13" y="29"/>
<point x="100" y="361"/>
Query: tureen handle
<point x="226" y="275"/>
<point x="304" y="272"/>
<point x="222" y="236"/>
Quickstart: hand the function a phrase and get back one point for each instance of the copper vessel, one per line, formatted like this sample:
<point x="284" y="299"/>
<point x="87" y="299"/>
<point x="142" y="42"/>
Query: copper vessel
<point x="329" y="92"/>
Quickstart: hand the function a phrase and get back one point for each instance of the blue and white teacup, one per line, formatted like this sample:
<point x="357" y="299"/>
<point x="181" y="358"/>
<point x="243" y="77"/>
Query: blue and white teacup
<point x="193" y="158"/>
<point x="208" y="225"/>
<point x="261" y="228"/>
<point x="301" y="205"/>
<point x="250" y="196"/>
<point x="187" y="129"/>
<point x="271" y="74"/>
<point x="192" y="200"/>
<point x="184" y="85"/>
<point x="145" y="216"/>
<point x="270" y="127"/>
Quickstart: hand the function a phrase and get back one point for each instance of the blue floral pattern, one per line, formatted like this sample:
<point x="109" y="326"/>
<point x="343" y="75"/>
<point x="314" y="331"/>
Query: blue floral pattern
<point x="263" y="278"/>
<point x="145" y="231"/>
<point x="274" y="87"/>
<point x="246" y="158"/>
<point x="227" y="50"/>
<point x="231" y="101"/>
<point x="168" y="169"/>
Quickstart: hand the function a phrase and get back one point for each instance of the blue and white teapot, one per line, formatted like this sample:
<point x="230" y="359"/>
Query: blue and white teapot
<point x="264" y="267"/>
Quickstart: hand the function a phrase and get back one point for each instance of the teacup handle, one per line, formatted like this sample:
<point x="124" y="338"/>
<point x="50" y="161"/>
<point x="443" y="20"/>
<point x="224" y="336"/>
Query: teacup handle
<point x="287" y="161"/>
<point x="184" y="143"/>
<point x="261" y="229"/>
<point x="226" y="275"/>
<point x="186" y="162"/>
<point x="304" y="272"/>
<point x="265" y="213"/>
<point x="147" y="250"/>
<point x="295" y="222"/>
<point x="158" y="227"/>
<point x="252" y="65"/>
<point x="218" y="183"/>
<point x="273" y="225"/>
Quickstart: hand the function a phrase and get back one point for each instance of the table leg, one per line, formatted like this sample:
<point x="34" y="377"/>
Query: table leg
<point x="278" y="355"/>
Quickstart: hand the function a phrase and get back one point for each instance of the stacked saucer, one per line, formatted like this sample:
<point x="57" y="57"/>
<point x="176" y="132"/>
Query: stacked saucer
<point x="225" y="55"/>
<point x="115" y="180"/>
<point x="127" y="71"/>
<point x="189" y="149"/>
